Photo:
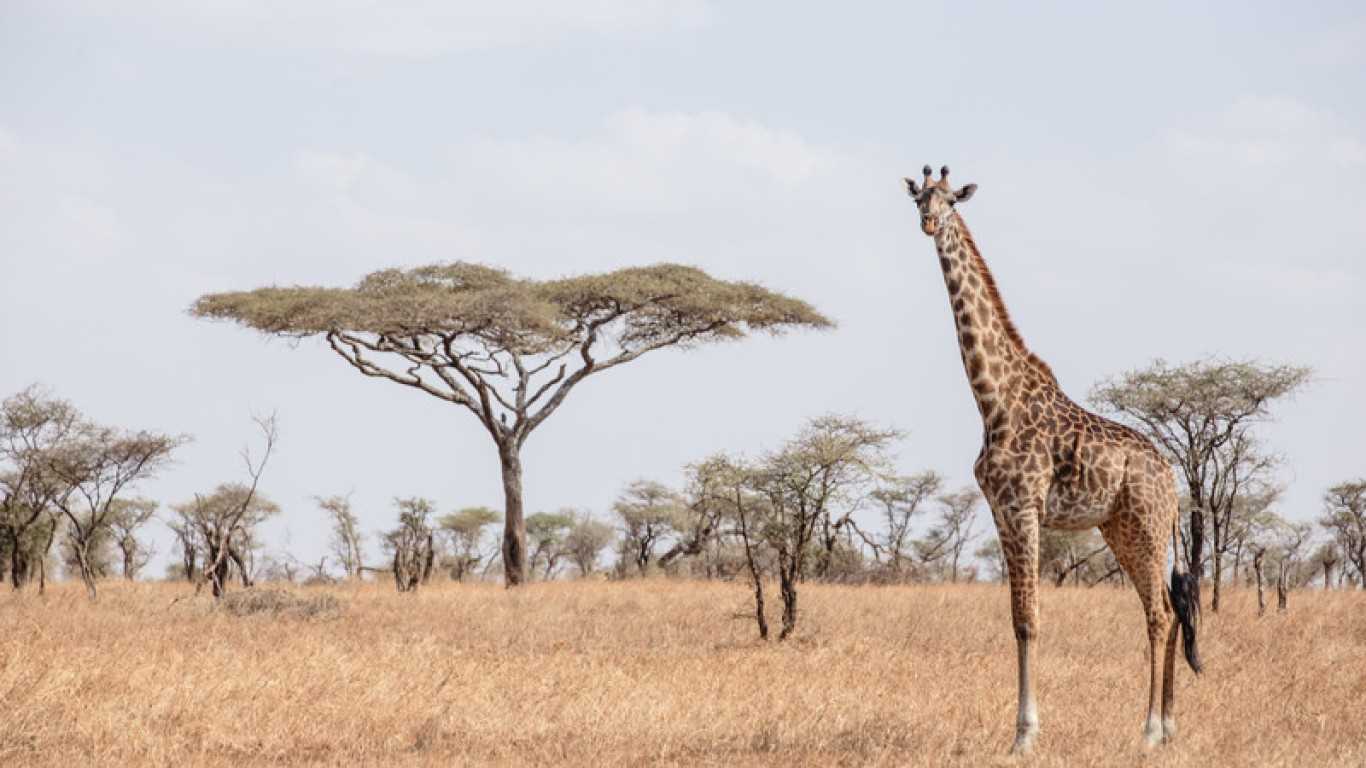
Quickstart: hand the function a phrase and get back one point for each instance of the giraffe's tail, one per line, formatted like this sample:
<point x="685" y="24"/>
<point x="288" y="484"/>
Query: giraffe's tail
<point x="1185" y="594"/>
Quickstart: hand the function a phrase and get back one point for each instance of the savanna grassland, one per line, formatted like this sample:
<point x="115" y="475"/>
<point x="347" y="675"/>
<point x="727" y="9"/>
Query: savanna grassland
<point x="658" y="672"/>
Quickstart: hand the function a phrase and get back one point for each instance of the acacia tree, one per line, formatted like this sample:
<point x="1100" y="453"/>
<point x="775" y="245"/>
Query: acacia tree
<point x="1344" y="517"/>
<point x="129" y="516"/>
<point x="347" y="539"/>
<point x="98" y="463"/>
<point x="33" y="428"/>
<point x="701" y="512"/>
<point x="510" y="350"/>
<point x="465" y="532"/>
<point x="825" y="465"/>
<point x="190" y="542"/>
<point x="649" y="512"/>
<point x="944" y="542"/>
<point x="222" y="523"/>
<point x="900" y="501"/>
<point x="412" y="544"/>
<point x="1201" y="416"/>
<point x="585" y="542"/>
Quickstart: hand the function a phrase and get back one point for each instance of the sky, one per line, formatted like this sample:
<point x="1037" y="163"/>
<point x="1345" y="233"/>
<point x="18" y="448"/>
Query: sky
<point x="1158" y="181"/>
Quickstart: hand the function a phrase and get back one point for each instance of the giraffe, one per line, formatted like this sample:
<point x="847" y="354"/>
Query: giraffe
<point x="1046" y="461"/>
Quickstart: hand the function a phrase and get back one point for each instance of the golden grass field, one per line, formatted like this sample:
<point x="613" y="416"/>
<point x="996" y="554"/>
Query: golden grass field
<point x="659" y="672"/>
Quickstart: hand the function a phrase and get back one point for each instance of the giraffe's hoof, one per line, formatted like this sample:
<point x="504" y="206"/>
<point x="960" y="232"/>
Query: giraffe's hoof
<point x="1168" y="729"/>
<point x="1024" y="742"/>
<point x="1152" y="735"/>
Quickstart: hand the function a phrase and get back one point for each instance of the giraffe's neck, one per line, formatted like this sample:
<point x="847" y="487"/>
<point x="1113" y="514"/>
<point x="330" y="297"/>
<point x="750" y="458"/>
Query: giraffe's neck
<point x="1000" y="369"/>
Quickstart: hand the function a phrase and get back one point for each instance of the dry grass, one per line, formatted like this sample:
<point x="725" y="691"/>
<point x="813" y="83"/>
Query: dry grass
<point x="658" y="672"/>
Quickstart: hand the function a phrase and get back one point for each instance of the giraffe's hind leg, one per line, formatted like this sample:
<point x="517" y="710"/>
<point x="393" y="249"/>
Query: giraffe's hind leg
<point x="1142" y="554"/>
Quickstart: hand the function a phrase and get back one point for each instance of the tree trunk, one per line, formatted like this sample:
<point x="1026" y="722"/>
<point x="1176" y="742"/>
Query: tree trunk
<point x="429" y="559"/>
<point x="514" y="523"/>
<point x="128" y="554"/>
<point x="1282" y="587"/>
<point x="787" y="583"/>
<point x="18" y="564"/>
<point x="1327" y="575"/>
<point x="1218" y="577"/>
<point x="87" y="576"/>
<point x="1261" y="595"/>
<point x="241" y="567"/>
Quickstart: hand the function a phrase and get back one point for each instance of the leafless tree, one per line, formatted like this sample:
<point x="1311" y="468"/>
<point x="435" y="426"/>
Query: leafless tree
<point x="347" y="539"/>
<point x="128" y="517"/>
<point x="1202" y="415"/>
<point x="510" y="350"/>
<point x="1344" y="517"/>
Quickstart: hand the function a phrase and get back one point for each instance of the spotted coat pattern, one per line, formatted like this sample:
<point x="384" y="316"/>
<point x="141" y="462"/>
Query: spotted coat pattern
<point x="1046" y="461"/>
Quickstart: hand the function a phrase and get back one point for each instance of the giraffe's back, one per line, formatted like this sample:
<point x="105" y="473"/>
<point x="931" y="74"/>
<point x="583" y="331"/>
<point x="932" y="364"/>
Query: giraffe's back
<point x="1100" y="468"/>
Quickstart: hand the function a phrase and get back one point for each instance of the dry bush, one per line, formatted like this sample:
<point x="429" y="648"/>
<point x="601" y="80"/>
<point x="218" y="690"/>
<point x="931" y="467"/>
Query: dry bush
<point x="281" y="603"/>
<point x="658" y="671"/>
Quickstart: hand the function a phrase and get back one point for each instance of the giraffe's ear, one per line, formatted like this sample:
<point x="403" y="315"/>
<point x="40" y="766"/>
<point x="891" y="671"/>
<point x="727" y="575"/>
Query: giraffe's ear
<point x="911" y="188"/>
<point x="964" y="193"/>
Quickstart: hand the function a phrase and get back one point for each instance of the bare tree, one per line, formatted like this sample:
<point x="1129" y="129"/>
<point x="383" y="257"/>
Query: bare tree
<point x="510" y="350"/>
<point x="347" y="539"/>
<point x="34" y="427"/>
<point x="99" y="463"/>
<point x="1201" y="415"/>
<point x="1344" y="517"/>
<point x="649" y="513"/>
<point x="465" y="532"/>
<point x="412" y="544"/>
<point x="129" y="515"/>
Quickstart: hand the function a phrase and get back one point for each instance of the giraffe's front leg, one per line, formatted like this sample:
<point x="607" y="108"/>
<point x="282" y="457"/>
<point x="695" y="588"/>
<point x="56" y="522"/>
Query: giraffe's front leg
<point x="1019" y="531"/>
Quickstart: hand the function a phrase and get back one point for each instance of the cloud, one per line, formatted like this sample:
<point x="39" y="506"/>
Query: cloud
<point x="407" y="28"/>
<point x="1272" y="134"/>
<point x="650" y="161"/>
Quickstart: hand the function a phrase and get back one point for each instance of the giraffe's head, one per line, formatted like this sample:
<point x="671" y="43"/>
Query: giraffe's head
<point x="936" y="199"/>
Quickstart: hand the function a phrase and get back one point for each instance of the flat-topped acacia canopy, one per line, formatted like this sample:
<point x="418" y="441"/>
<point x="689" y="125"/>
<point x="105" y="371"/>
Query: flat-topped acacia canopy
<point x="510" y="349"/>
